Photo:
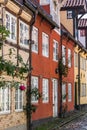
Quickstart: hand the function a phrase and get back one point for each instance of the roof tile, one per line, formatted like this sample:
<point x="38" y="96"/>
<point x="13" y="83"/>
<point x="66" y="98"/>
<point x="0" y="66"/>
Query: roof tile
<point x="72" y="4"/>
<point x="82" y="23"/>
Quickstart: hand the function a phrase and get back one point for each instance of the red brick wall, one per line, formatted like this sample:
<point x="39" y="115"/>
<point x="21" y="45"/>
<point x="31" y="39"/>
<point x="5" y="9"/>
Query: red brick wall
<point x="45" y="67"/>
<point x="70" y="77"/>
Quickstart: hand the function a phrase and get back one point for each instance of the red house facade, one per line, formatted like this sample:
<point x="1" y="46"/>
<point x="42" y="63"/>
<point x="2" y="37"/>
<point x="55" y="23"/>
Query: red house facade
<point x="67" y="43"/>
<point x="44" y="62"/>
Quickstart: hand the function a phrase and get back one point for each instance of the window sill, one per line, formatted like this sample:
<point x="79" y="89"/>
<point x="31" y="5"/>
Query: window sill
<point x="21" y="110"/>
<point x="4" y="113"/>
<point x="11" y="40"/>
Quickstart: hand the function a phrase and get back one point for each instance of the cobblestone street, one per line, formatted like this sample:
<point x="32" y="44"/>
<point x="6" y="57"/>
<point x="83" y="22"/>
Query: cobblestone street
<point x="78" y="124"/>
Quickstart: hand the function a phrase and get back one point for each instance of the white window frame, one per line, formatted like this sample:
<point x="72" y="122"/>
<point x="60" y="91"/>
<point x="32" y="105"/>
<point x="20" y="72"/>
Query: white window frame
<point x="55" y="50"/>
<point x="4" y="96"/>
<point x="25" y="34"/>
<point x="63" y="92"/>
<point x="45" y="90"/>
<point x="11" y="26"/>
<point x="69" y="58"/>
<point x="83" y="90"/>
<point x="63" y="54"/>
<point x="45" y="44"/>
<point x="69" y="92"/>
<point x="69" y="14"/>
<point x="18" y="99"/>
<point x="35" y="39"/>
<point x="34" y="84"/>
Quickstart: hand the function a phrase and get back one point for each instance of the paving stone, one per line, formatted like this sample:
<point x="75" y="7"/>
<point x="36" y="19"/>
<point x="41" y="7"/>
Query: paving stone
<point x="78" y="124"/>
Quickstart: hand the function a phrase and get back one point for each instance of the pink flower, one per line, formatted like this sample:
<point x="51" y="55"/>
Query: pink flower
<point x="22" y="87"/>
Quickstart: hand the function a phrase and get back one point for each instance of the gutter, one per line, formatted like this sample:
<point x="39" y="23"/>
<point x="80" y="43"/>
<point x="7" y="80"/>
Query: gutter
<point x="41" y="11"/>
<point x="29" y="88"/>
<point x="67" y="34"/>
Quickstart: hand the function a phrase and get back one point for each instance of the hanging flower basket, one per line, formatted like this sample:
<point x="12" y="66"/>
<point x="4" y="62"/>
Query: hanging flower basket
<point x="22" y="87"/>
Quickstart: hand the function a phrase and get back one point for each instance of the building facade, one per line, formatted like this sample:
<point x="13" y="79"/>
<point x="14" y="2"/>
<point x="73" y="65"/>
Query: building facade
<point x="16" y="18"/>
<point x="80" y="49"/>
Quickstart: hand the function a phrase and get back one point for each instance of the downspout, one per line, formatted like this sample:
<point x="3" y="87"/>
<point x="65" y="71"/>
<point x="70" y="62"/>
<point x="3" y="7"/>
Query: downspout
<point x="60" y="76"/>
<point x="86" y="37"/>
<point x="75" y="34"/>
<point x="79" y="80"/>
<point x="29" y="116"/>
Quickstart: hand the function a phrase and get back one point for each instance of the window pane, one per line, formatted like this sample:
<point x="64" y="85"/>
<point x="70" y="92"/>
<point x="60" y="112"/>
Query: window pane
<point x="24" y="34"/>
<point x="35" y="38"/>
<point x="11" y="25"/>
<point x="63" y="54"/>
<point x="45" y="45"/>
<point x="55" y="50"/>
<point x="18" y="99"/>
<point x="69" y="58"/>
<point x="34" y="84"/>
<point x="4" y="99"/>
<point x="69" y="92"/>
<point x="45" y="90"/>
<point x="63" y="92"/>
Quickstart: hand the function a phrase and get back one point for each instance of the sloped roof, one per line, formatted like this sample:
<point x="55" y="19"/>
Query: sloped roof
<point x="82" y="23"/>
<point x="74" y="4"/>
<point x="41" y="11"/>
<point x="69" y="35"/>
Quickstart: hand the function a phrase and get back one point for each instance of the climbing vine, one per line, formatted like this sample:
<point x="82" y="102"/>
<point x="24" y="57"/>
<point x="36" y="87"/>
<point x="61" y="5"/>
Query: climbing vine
<point x="63" y="69"/>
<point x="19" y="70"/>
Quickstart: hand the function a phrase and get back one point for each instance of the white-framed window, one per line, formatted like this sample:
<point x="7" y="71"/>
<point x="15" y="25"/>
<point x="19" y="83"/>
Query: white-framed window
<point x="83" y="63"/>
<point x="5" y="99"/>
<point x="64" y="54"/>
<point x="82" y="33"/>
<point x="83" y="90"/>
<point x="69" y="14"/>
<point x="45" y="90"/>
<point x="64" y="92"/>
<point x="23" y="34"/>
<point x="11" y="25"/>
<point x="45" y="44"/>
<point x="18" y="99"/>
<point x="55" y="50"/>
<point x="35" y="39"/>
<point x="34" y="84"/>
<point x="76" y="59"/>
<point x="69" y="58"/>
<point x="69" y="92"/>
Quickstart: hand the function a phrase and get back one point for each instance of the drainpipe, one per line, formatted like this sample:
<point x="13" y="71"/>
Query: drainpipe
<point x="29" y="116"/>
<point x="86" y="37"/>
<point x="75" y="34"/>
<point x="79" y="80"/>
<point x="60" y="76"/>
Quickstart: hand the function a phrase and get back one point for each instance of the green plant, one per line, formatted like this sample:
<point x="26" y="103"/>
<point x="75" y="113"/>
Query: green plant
<point x="37" y="95"/>
<point x="3" y="34"/>
<point x="63" y="69"/>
